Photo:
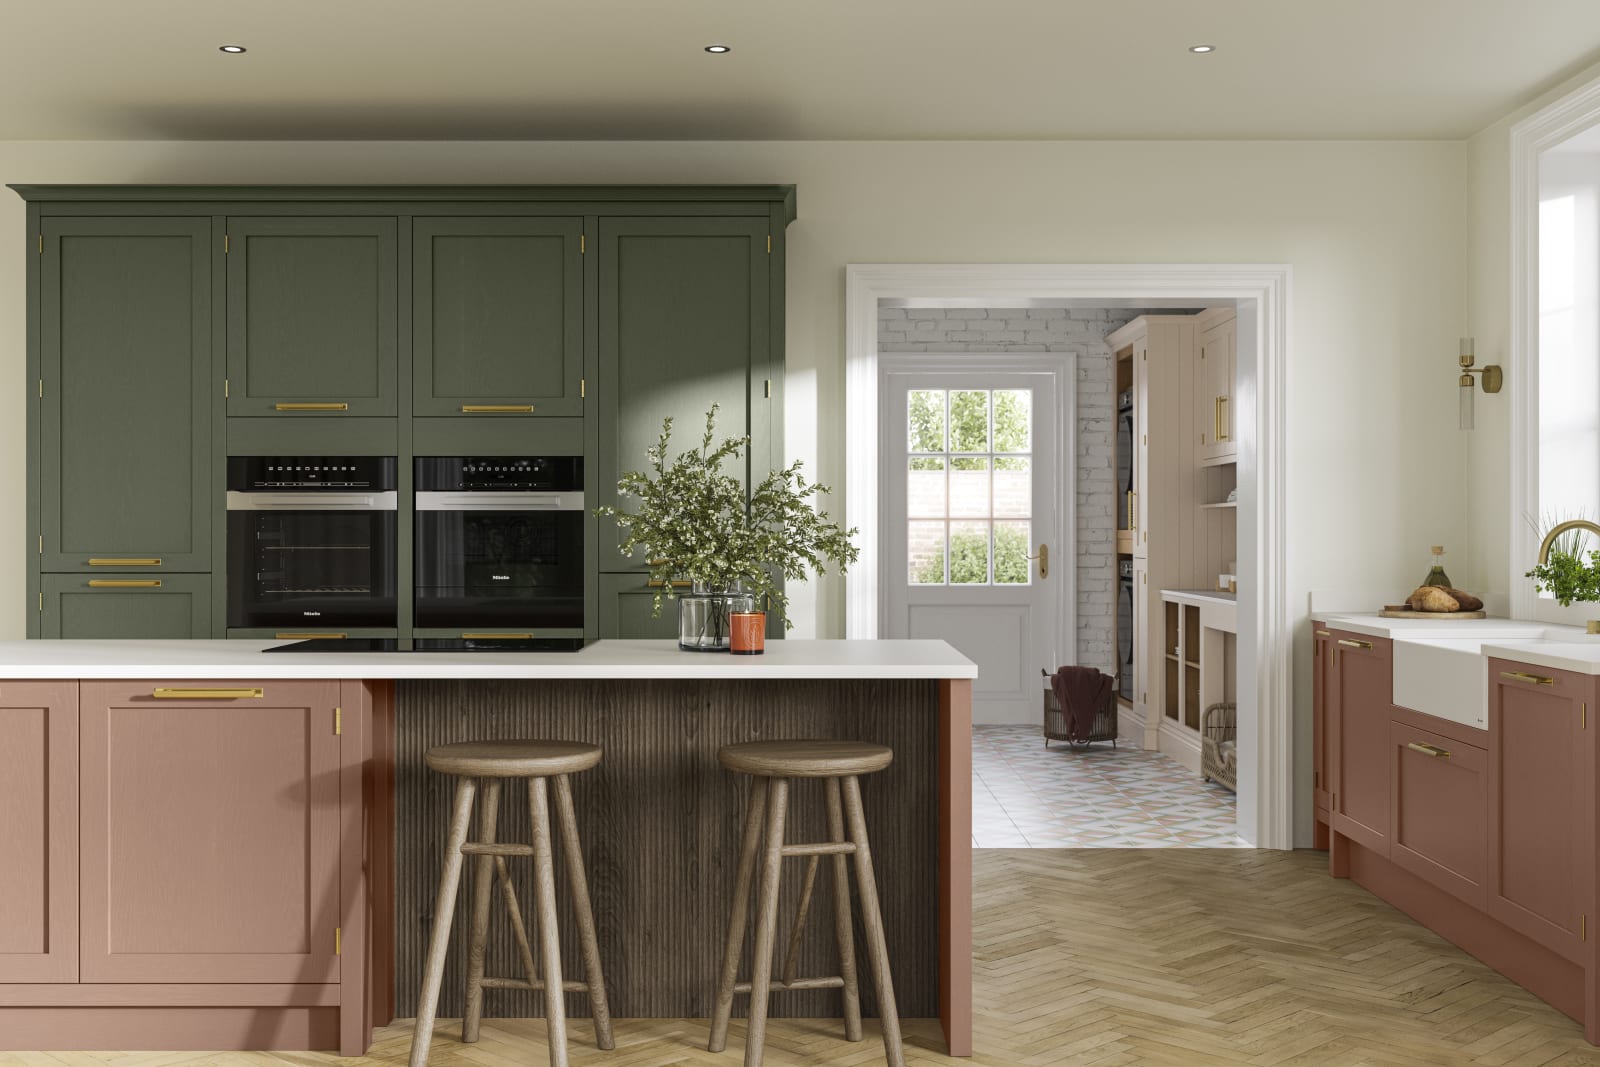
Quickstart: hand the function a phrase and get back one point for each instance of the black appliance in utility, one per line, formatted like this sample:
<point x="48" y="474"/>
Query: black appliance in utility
<point x="1125" y="460"/>
<point x="311" y="539"/>
<point x="1125" y="629"/>
<point x="499" y="545"/>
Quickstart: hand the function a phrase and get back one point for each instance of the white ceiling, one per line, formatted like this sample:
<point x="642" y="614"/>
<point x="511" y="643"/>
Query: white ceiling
<point x="812" y="69"/>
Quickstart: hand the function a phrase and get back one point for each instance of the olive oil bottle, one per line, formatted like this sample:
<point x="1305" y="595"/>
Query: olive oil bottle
<point x="1436" y="575"/>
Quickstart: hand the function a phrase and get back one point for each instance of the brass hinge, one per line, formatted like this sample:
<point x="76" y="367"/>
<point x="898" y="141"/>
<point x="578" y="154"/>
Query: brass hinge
<point x="583" y="244"/>
<point x="41" y="388"/>
<point x="1583" y="928"/>
<point x="224" y="244"/>
<point x="338" y="940"/>
<point x="768" y="388"/>
<point x="41" y="244"/>
<point x="1583" y="715"/>
<point x="338" y="721"/>
<point x="769" y="244"/>
<point x="41" y="601"/>
<point x="583" y="388"/>
<point x="41" y="544"/>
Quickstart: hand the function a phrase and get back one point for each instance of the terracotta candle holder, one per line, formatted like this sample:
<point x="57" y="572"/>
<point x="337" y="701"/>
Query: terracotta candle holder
<point x="748" y="633"/>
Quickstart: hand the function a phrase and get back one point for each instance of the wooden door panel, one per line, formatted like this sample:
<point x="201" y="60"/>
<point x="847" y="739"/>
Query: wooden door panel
<point x="39" y="832"/>
<point x="312" y="305"/>
<point x="1360" y="795"/>
<point x="1321" y="660"/>
<point x="125" y="430"/>
<point x="125" y="606"/>
<point x="1440" y="812"/>
<point x="210" y="834"/>
<point x="498" y="314"/>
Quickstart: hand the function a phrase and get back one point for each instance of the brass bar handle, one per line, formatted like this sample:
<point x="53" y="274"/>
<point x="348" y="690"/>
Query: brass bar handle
<point x="1524" y="676"/>
<point x="497" y="637"/>
<point x="310" y="637"/>
<point x="676" y="583"/>
<point x="1043" y="556"/>
<point x="101" y="561"/>
<point x="1432" y="751"/>
<point x="124" y="583"/>
<point x="340" y="406"/>
<point x="1324" y="633"/>
<point x="1130" y="509"/>
<point x="165" y="693"/>
<point x="504" y="409"/>
<point x="1355" y="644"/>
<point x="1220" y="416"/>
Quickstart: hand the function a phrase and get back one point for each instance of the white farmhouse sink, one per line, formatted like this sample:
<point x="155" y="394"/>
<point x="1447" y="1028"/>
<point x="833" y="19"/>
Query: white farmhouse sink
<point x="1447" y="677"/>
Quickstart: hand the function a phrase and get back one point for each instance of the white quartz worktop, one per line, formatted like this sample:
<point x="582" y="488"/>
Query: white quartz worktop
<point x="1375" y="625"/>
<point x="1577" y="652"/>
<point x="219" y="660"/>
<point x="1200" y="596"/>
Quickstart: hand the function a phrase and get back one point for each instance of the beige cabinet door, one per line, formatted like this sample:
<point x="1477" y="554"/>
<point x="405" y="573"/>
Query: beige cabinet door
<point x="39" y="832"/>
<point x="1213" y="397"/>
<point x="1141" y="449"/>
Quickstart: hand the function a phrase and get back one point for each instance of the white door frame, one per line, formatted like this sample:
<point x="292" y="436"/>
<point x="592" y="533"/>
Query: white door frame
<point x="1261" y="292"/>
<point x="1064" y="494"/>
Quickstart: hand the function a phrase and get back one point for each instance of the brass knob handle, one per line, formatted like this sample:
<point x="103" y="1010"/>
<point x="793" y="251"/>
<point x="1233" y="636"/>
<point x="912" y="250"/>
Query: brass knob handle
<point x="124" y="583"/>
<point x="504" y="409"/>
<point x="101" y="561"/>
<point x="1524" y="676"/>
<point x="340" y="406"/>
<point x="165" y="693"/>
<point x="1431" y="751"/>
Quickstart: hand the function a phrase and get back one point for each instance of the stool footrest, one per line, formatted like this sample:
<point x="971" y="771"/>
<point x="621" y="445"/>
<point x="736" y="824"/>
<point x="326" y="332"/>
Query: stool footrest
<point x="821" y="848"/>
<point x="835" y="982"/>
<point x="519" y="983"/>
<point x="478" y="848"/>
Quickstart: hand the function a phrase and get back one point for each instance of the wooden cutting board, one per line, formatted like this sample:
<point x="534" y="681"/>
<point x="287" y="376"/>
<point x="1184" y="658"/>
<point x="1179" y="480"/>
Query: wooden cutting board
<point x="1401" y="612"/>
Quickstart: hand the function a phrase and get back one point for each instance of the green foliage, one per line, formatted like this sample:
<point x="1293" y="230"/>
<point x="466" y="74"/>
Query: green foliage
<point x="969" y="420"/>
<point x="1011" y="417"/>
<point x="969" y="559"/>
<point x="1567" y="578"/>
<point x="694" y="522"/>
<point x="926" y="416"/>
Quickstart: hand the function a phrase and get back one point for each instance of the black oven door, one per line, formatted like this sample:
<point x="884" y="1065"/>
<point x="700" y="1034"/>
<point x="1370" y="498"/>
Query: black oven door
<point x="496" y="560"/>
<point x="314" y="567"/>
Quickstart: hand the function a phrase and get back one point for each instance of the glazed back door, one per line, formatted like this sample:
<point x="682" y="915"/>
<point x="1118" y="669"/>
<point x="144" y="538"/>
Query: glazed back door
<point x="972" y="551"/>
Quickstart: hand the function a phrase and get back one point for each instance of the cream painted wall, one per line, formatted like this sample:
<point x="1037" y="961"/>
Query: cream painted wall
<point x="1375" y="233"/>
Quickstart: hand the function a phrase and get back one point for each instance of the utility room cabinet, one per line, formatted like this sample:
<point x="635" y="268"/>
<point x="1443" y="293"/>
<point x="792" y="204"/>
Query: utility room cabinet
<point x="1215" y="412"/>
<point x="39" y="832"/>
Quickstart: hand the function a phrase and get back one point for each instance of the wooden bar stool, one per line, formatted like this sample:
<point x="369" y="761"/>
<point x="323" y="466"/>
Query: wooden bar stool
<point x="771" y="764"/>
<point x="494" y="761"/>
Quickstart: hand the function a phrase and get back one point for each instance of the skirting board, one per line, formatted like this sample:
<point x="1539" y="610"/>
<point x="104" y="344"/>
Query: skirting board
<point x="169" y="1029"/>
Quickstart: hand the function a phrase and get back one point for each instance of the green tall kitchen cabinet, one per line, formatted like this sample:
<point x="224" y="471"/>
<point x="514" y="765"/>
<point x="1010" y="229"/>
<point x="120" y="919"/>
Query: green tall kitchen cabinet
<point x="172" y="326"/>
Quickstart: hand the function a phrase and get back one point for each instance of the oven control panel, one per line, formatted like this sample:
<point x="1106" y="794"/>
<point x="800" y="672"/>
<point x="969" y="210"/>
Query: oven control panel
<point x="269" y="474"/>
<point x="499" y="474"/>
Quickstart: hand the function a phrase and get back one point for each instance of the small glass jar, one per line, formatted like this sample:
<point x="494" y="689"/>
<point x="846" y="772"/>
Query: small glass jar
<point x="705" y="615"/>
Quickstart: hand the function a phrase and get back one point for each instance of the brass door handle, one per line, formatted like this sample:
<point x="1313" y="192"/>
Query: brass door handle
<point x="1043" y="556"/>
<point x="1355" y="644"/>
<point x="504" y="409"/>
<point x="1432" y="751"/>
<point x="340" y="406"/>
<point x="165" y="693"/>
<point x="100" y="561"/>
<point x="1324" y="633"/>
<point x="676" y="583"/>
<point x="497" y="637"/>
<point x="1219" y="418"/>
<point x="124" y="583"/>
<point x="1524" y="676"/>
<point x="310" y="637"/>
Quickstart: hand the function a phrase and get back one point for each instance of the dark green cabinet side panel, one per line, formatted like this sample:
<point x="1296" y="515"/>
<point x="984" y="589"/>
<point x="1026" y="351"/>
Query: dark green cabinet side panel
<point x="626" y="603"/>
<point x="497" y="315"/>
<point x="683" y="319"/>
<point x="125" y="434"/>
<point x="179" y="608"/>
<point x="312" y="315"/>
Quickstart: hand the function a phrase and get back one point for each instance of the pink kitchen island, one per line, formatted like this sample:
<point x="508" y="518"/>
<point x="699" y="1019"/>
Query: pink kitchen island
<point x="205" y="847"/>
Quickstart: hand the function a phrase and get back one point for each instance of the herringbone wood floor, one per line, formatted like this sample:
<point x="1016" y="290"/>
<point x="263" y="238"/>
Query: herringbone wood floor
<point x="1177" y="957"/>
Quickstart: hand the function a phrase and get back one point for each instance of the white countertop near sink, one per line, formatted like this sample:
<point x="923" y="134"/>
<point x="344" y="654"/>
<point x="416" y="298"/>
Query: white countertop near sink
<point x="1375" y="625"/>
<point x="1563" y="649"/>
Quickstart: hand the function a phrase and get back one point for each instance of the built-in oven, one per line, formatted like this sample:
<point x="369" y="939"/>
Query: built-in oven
<point x="499" y="546"/>
<point x="312" y="541"/>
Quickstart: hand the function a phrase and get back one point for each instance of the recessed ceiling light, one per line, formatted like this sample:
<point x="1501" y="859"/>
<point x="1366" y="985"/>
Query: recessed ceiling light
<point x="717" y="49"/>
<point x="1202" y="49"/>
<point x="232" y="49"/>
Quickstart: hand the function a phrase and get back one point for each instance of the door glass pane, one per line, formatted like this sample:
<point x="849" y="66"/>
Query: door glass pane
<point x="969" y="487"/>
<point x="925" y="493"/>
<point x="969" y="420"/>
<point x="969" y="553"/>
<point x="1013" y="420"/>
<point x="1013" y="488"/>
<point x="1011" y="563"/>
<point x="925" y="418"/>
<point x="925" y="550"/>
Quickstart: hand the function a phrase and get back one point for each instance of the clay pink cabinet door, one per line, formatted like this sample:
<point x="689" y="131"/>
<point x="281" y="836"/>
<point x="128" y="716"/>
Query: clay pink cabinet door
<point x="1541" y="804"/>
<point x="1321" y="680"/>
<point x="38" y="832"/>
<point x="210" y="832"/>
<point x="1439" y="826"/>
<point x="1362" y="692"/>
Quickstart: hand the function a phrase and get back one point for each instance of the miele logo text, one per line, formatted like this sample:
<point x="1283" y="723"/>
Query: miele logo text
<point x="501" y="577"/>
<point x="311" y="613"/>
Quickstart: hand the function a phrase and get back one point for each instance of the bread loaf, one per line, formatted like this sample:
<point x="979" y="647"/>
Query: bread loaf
<point x="1467" y="601"/>
<point x="1432" y="598"/>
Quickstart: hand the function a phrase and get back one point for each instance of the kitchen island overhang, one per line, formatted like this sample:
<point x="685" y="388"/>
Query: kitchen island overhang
<point x="660" y="818"/>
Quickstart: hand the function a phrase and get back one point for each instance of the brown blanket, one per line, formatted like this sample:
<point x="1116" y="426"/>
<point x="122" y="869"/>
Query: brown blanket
<point x="1082" y="693"/>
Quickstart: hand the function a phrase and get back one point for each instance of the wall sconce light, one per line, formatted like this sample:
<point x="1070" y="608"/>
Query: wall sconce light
<point x="1492" y="380"/>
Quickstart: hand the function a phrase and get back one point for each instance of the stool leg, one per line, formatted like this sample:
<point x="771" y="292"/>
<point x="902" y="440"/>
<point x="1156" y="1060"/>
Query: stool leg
<point x="590" y="944"/>
<point x="872" y="919"/>
<point x="738" y="913"/>
<point x="444" y="911"/>
<point x="482" y="886"/>
<point x="544" y="891"/>
<point x="766" y="923"/>
<point x="842" y="930"/>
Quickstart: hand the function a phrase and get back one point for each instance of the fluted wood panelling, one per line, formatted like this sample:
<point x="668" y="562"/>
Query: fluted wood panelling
<point x="660" y="822"/>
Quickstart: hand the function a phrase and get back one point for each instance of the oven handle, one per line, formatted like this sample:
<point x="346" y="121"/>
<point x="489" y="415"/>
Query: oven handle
<point x="315" y="501"/>
<point x="468" y="501"/>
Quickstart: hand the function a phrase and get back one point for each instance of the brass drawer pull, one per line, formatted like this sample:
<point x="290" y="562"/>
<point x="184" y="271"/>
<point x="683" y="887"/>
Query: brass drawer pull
<point x="340" y="406"/>
<point x="99" y="561"/>
<point x="1324" y="633"/>
<point x="1524" y="676"/>
<point x="676" y="583"/>
<point x="310" y="637"/>
<point x="1429" y="750"/>
<point x="507" y="409"/>
<point x="164" y="693"/>
<point x="497" y="637"/>
<point x="1355" y="644"/>
<point x="124" y="583"/>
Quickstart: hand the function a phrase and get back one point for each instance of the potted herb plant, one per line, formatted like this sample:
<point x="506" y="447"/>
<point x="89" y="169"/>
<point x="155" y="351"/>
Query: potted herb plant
<point x="1570" y="571"/>
<point x="695" y="524"/>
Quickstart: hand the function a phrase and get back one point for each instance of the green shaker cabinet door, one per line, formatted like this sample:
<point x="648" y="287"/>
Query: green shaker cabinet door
<point x="498" y="316"/>
<point x="124" y="606"/>
<point x="125" y="415"/>
<point x="312" y="306"/>
<point x="684" y="323"/>
<point x="627" y="602"/>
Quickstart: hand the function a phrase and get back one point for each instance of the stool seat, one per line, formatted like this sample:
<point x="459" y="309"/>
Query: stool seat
<point x="513" y="759"/>
<point x="805" y="759"/>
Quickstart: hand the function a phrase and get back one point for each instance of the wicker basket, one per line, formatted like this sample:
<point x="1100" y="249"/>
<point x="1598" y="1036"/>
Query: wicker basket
<point x="1219" y="750"/>
<point x="1055" y="719"/>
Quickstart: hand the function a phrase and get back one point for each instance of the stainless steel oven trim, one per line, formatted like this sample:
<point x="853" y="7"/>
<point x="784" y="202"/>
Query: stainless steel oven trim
<point x="523" y="501"/>
<point x="315" y="501"/>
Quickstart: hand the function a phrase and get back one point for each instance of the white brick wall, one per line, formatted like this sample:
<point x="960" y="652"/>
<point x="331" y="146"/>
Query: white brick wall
<point x="1082" y="331"/>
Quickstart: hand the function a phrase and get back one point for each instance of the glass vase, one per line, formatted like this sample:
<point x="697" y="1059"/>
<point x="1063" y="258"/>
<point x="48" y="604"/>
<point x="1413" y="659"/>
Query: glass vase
<point x="705" y="616"/>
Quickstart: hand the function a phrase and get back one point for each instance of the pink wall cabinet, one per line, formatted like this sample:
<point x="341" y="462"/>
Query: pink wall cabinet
<point x="1360" y="695"/>
<point x="1440" y="810"/>
<point x="210" y="832"/>
<point x="1542" y="805"/>
<point x="39" y="832"/>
